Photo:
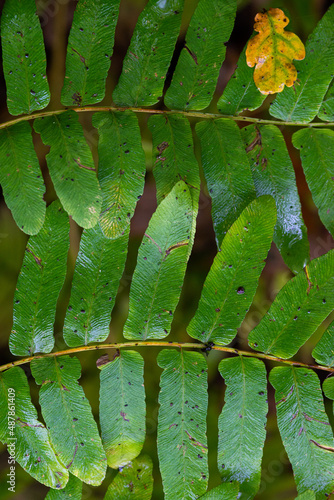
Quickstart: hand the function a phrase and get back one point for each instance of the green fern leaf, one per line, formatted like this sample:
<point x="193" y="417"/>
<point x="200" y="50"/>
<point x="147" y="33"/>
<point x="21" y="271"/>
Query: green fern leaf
<point x="242" y="423"/>
<point x="72" y="491"/>
<point x="323" y="352"/>
<point x="161" y="265"/>
<point x="301" y="103"/>
<point x="21" y="178"/>
<point x="133" y="482"/>
<point x="175" y="159"/>
<point x="328" y="388"/>
<point x="196" y="74"/>
<point x="121" y="169"/>
<point x="307" y="495"/>
<point x="98" y="270"/>
<point x="71" y="166"/>
<point x="89" y="50"/>
<point x="226" y="491"/>
<point x="326" y="111"/>
<point x="297" y="311"/>
<point x="232" y="280"/>
<point x="27" y="438"/>
<point x="304" y="428"/>
<point x="68" y="417"/>
<point x="149" y="55"/>
<point x="39" y="283"/>
<point x="24" y="59"/>
<point x="122" y="407"/>
<point x="182" y="445"/>
<point x="273" y="174"/>
<point x="316" y="151"/>
<point x="227" y="173"/>
<point x="240" y="92"/>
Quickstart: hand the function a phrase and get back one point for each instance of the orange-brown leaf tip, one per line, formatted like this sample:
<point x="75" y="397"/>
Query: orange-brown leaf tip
<point x="272" y="52"/>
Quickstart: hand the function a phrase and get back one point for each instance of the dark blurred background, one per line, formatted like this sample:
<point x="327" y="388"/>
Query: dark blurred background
<point x="56" y="17"/>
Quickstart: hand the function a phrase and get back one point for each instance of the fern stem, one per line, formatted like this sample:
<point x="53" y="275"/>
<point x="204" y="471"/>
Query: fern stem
<point x="192" y="114"/>
<point x="180" y="345"/>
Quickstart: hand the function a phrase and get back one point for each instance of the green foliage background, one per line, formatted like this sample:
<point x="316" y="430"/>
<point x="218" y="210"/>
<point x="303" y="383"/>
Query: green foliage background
<point x="56" y="17"/>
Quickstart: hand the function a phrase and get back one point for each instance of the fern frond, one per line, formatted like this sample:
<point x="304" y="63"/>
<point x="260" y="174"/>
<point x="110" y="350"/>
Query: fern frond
<point x="68" y="417"/>
<point x="196" y="73"/>
<point x="39" y="283"/>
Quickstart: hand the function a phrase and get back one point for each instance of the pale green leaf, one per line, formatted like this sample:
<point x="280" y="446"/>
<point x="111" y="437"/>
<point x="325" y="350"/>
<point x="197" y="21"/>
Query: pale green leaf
<point x="297" y="311"/>
<point x="72" y="491"/>
<point x="304" y="428"/>
<point x="307" y="495"/>
<point x="68" y="417"/>
<point x="161" y="265"/>
<point x="89" y="50"/>
<point x="122" y="407"/>
<point x="147" y="60"/>
<point x="182" y="444"/>
<point x="197" y="70"/>
<point x="323" y="352"/>
<point x="98" y="270"/>
<point x="39" y="283"/>
<point x="23" y="56"/>
<point x="326" y="111"/>
<point x="27" y="439"/>
<point x="301" y="102"/>
<point x="232" y="280"/>
<point x="133" y="482"/>
<point x="175" y="159"/>
<point x="240" y="92"/>
<point x="225" y="491"/>
<point x="121" y="169"/>
<point x="273" y="174"/>
<point x="21" y="178"/>
<point x="316" y="152"/>
<point x="71" y="166"/>
<point x="242" y="423"/>
<point x="227" y="173"/>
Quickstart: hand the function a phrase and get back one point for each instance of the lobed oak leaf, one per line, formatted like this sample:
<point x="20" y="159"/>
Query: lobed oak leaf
<point x="272" y="52"/>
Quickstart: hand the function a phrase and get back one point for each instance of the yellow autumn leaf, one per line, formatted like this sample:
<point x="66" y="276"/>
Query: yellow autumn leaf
<point x="272" y="52"/>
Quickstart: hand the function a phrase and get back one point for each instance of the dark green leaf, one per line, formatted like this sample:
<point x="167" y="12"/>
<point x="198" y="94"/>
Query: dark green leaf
<point x="232" y="280"/>
<point x="273" y="174"/>
<point x="149" y="55"/>
<point x="316" y="152"/>
<point x="301" y="102"/>
<point x="72" y="491"/>
<point x="161" y="265"/>
<point x="27" y="439"/>
<point x="323" y="352"/>
<point x="225" y="491"/>
<point x="226" y="171"/>
<point x="326" y="111"/>
<point x="182" y="445"/>
<point x="98" y="270"/>
<point x="328" y="388"/>
<point x="304" y="427"/>
<point x="24" y="59"/>
<point x="89" y="50"/>
<point x="41" y="278"/>
<point x="121" y="169"/>
<point x="133" y="482"/>
<point x="21" y="178"/>
<point x="197" y="70"/>
<point x="242" y="423"/>
<point x="175" y="159"/>
<point x="71" y="166"/>
<point x="68" y="417"/>
<point x="297" y="311"/>
<point x="240" y="92"/>
<point x="122" y="408"/>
